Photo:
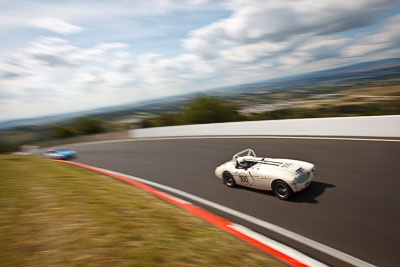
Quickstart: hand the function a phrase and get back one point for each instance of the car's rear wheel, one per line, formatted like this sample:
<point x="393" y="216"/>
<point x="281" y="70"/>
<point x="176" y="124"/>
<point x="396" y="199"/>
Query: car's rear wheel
<point x="228" y="179"/>
<point x="281" y="189"/>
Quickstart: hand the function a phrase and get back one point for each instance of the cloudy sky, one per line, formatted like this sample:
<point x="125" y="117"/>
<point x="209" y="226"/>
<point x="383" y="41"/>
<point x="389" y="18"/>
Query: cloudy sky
<point x="64" y="56"/>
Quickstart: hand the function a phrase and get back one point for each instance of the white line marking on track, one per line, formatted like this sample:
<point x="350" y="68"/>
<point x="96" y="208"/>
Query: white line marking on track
<point x="269" y="226"/>
<point x="235" y="137"/>
<point x="270" y="137"/>
<point x="276" y="245"/>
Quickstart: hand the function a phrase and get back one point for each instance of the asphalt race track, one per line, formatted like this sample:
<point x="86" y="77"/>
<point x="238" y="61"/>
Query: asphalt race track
<point x="352" y="206"/>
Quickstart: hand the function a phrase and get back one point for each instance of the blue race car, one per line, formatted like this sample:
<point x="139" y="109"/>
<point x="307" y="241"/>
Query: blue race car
<point x="60" y="153"/>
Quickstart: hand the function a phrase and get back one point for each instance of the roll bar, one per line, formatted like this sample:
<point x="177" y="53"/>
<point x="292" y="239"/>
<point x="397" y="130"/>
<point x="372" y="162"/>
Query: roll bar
<point x="246" y="152"/>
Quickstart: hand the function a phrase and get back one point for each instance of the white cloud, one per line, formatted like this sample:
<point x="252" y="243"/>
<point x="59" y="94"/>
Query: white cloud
<point x="387" y="38"/>
<point x="173" y="75"/>
<point x="250" y="53"/>
<point x="56" y="25"/>
<point x="53" y="76"/>
<point x="21" y="13"/>
<point x="278" y="37"/>
<point x="255" y="21"/>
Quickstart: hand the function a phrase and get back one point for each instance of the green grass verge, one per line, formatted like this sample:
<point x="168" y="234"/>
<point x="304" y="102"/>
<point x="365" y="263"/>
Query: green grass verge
<point x="53" y="214"/>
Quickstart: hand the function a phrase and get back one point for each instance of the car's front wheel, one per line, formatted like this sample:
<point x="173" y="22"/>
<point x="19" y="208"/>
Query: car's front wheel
<point x="228" y="179"/>
<point x="282" y="190"/>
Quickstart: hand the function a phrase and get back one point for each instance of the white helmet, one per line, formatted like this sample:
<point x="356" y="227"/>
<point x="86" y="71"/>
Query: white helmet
<point x="241" y="161"/>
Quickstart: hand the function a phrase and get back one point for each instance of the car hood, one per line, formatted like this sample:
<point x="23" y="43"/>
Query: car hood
<point x="293" y="166"/>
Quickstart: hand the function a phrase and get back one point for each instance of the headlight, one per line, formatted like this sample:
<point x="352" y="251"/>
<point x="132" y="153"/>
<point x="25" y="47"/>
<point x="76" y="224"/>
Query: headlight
<point x="296" y="180"/>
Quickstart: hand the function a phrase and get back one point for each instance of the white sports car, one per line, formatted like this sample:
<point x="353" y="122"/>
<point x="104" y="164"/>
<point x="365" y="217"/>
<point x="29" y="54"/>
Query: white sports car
<point x="282" y="176"/>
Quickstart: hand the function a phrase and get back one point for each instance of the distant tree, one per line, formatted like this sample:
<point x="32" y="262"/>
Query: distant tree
<point x="168" y="119"/>
<point x="209" y="109"/>
<point x="62" y="132"/>
<point x="89" y="126"/>
<point x="7" y="147"/>
<point x="147" y="123"/>
<point x="163" y="119"/>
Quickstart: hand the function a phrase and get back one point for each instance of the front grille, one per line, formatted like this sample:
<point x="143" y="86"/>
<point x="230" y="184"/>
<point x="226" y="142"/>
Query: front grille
<point x="303" y="177"/>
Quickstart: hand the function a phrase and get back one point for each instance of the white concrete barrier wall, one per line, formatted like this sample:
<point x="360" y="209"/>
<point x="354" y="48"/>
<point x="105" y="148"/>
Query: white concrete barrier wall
<point x="373" y="126"/>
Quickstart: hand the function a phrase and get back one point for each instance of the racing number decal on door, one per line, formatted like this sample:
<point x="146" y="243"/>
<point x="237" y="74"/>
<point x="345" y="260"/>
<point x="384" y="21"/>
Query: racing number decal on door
<point x="243" y="178"/>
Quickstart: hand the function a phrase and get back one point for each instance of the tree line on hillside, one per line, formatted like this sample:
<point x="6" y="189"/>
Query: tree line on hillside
<point x="11" y="140"/>
<point x="211" y="109"/>
<point x="83" y="126"/>
<point x="343" y="110"/>
<point x="203" y="109"/>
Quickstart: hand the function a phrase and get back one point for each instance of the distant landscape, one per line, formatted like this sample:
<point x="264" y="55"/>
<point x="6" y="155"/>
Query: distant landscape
<point x="365" y="89"/>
